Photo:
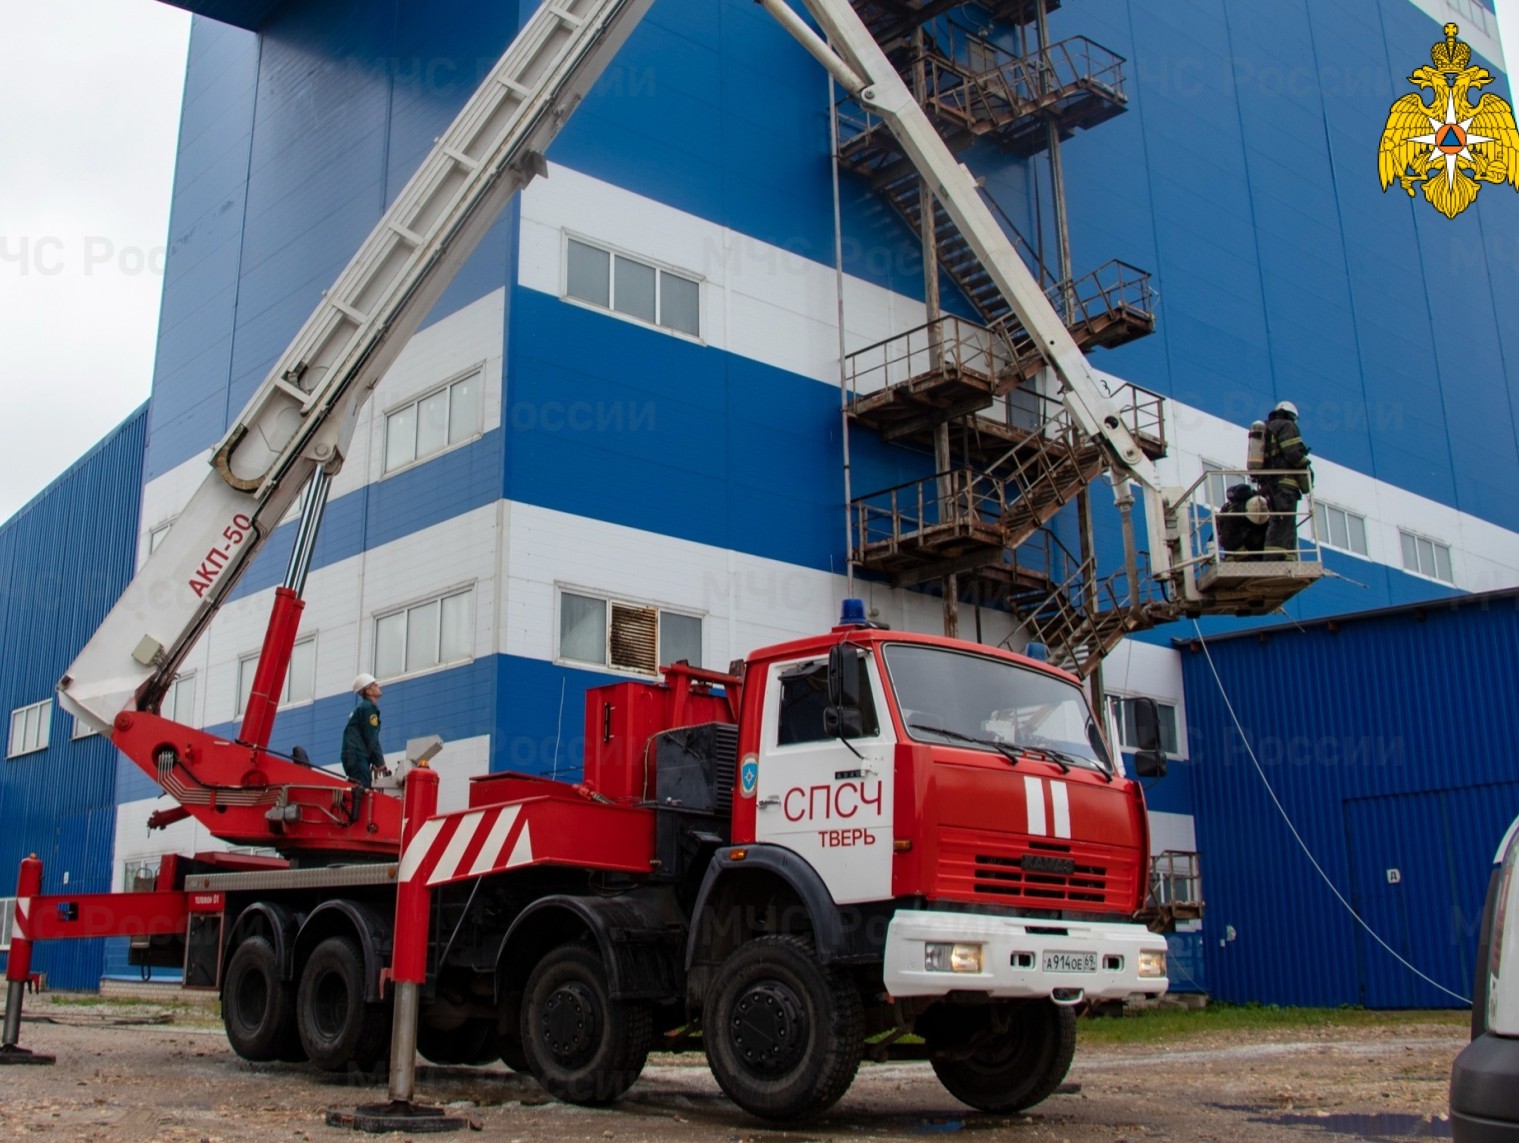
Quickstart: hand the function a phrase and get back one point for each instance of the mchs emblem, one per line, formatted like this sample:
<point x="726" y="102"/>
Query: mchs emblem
<point x="1449" y="146"/>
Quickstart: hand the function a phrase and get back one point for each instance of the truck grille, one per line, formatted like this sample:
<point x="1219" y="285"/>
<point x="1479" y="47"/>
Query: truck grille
<point x="976" y="866"/>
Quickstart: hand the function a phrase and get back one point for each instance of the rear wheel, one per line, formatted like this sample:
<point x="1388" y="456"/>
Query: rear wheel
<point x="1006" y="1058"/>
<point x="258" y="1008"/>
<point x="337" y="1026"/>
<point x="783" y="1033"/>
<point x="582" y="1046"/>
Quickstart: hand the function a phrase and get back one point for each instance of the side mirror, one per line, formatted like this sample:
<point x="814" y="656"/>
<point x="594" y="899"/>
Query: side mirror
<point x="844" y="677"/>
<point x="1149" y="759"/>
<point x="843" y="718"/>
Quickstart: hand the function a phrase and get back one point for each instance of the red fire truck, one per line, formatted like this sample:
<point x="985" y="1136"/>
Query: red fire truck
<point x="849" y="839"/>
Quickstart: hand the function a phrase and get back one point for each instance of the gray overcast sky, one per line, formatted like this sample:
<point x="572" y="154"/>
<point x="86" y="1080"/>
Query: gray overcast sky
<point x="89" y="114"/>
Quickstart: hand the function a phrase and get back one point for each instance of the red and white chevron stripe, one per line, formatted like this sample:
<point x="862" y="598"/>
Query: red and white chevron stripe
<point x="458" y="846"/>
<point x="20" y="926"/>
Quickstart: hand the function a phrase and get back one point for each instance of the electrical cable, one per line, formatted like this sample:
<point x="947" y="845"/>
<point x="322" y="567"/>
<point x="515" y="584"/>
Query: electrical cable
<point x="1319" y="869"/>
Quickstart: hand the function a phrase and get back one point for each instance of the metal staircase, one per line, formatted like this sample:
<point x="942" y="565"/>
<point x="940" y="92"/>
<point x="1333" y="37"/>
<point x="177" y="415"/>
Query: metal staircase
<point x="993" y="400"/>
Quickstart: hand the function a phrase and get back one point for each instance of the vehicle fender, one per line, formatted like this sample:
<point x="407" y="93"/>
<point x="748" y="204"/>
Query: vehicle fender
<point x="341" y="917"/>
<point x="266" y="917"/>
<point x="638" y="945"/>
<point x="786" y="865"/>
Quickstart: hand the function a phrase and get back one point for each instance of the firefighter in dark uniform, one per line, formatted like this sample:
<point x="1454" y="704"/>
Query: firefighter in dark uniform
<point x="1284" y="450"/>
<point x="362" y="756"/>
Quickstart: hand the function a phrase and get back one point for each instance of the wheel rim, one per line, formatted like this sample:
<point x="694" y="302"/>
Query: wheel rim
<point x="252" y="999"/>
<point x="769" y="1028"/>
<point x="329" y="1006"/>
<point x="571" y="1024"/>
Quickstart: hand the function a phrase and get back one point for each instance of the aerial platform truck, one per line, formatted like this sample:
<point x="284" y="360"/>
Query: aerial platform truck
<point x="791" y="866"/>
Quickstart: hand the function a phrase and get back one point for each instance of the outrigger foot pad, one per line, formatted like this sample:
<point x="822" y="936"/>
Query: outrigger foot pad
<point x="11" y="1054"/>
<point x="399" y="1115"/>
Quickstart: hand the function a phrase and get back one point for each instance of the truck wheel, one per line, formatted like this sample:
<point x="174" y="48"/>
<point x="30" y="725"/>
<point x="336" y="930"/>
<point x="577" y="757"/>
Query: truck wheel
<point x="337" y="1027"/>
<point x="582" y="1046"/>
<point x="472" y="1042"/>
<point x="1017" y="1068"/>
<point x="258" y="1008"/>
<point x="783" y="1034"/>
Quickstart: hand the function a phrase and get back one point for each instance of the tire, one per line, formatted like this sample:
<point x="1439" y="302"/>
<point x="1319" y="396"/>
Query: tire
<point x="581" y="1045"/>
<point x="1016" y="1068"/>
<point x="783" y="1034"/>
<point x="258" y="1008"/>
<point x="472" y="1042"/>
<point x="337" y="1027"/>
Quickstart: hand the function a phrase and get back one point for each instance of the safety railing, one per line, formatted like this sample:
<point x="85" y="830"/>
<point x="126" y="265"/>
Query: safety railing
<point x="973" y="83"/>
<point x="1176" y="881"/>
<point x="1239" y="530"/>
<point x="954" y="503"/>
<point x="946" y="344"/>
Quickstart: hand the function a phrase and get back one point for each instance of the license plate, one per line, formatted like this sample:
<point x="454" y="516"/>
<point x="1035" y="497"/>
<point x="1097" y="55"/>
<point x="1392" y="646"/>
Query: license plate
<point x="1070" y="962"/>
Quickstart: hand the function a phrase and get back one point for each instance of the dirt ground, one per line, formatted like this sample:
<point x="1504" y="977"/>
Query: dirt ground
<point x="140" y="1072"/>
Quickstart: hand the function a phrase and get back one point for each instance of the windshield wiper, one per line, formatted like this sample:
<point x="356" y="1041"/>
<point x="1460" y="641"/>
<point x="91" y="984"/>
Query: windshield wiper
<point x="1005" y="749"/>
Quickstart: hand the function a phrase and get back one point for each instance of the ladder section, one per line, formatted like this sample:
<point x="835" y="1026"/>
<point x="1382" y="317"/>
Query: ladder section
<point x="302" y="416"/>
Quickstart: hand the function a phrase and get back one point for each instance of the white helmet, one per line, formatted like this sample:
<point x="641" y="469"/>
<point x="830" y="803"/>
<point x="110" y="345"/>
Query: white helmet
<point x="1286" y="407"/>
<point x="362" y="683"/>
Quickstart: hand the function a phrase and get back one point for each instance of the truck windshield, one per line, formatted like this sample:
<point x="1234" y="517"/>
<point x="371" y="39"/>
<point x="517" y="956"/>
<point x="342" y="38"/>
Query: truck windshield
<point x="955" y="697"/>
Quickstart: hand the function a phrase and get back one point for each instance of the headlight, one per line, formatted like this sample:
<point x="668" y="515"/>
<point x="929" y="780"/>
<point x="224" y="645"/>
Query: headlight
<point x="943" y="957"/>
<point x="1152" y="963"/>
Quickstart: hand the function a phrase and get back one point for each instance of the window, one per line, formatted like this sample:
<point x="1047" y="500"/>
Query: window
<point x="425" y="635"/>
<point x="1215" y="484"/>
<point x="629" y="286"/>
<point x="1426" y="557"/>
<point x="7" y="917"/>
<point x="446" y="416"/>
<point x="179" y="704"/>
<point x="1340" y="528"/>
<point x="804" y="698"/>
<point x="300" y="679"/>
<point x="156" y="536"/>
<point x="626" y="636"/>
<point x="29" y="728"/>
<point x="1128" y="730"/>
<point x="81" y="729"/>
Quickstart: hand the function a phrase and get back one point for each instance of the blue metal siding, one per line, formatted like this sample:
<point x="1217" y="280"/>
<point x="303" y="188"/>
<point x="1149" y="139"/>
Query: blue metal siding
<point x="1385" y="746"/>
<point x="64" y="559"/>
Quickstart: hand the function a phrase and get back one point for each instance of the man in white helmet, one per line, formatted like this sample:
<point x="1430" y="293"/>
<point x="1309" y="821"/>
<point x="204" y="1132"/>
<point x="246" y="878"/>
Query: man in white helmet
<point x="362" y="756"/>
<point x="1285" y="450"/>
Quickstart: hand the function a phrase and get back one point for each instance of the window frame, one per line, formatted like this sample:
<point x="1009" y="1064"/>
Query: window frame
<point x="1213" y="470"/>
<point x="1177" y="722"/>
<point x="240" y="703"/>
<point x="1324" y="534"/>
<point x="660" y="270"/>
<point x="44" y="729"/>
<point x="609" y="601"/>
<point x="405" y="609"/>
<point x="1436" y="546"/>
<point x="7" y="922"/>
<point x="477" y="370"/>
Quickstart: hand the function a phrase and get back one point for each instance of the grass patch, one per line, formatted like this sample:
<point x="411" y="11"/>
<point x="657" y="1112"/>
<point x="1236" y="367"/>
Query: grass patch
<point x="88" y="1000"/>
<point x="1242" y="1019"/>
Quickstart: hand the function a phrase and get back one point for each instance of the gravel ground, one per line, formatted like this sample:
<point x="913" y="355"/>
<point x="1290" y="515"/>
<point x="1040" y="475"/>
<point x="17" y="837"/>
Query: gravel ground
<point x="144" y="1072"/>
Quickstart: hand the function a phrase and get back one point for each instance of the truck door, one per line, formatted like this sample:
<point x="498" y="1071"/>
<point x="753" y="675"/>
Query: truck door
<point x="815" y="795"/>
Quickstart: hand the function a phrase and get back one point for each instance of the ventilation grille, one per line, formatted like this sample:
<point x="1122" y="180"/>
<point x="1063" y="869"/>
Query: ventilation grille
<point x="634" y="643"/>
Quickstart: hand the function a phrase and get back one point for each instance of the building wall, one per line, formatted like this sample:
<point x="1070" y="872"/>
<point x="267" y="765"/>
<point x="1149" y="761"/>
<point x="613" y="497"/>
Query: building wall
<point x="1391" y="758"/>
<point x="705" y="474"/>
<point x="64" y="558"/>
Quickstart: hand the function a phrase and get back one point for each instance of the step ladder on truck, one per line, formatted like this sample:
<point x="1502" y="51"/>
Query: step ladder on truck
<point x="854" y="837"/>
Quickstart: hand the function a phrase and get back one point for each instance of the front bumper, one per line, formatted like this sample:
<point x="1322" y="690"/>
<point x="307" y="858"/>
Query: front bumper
<point x="1014" y="963"/>
<point x="1484" y="1098"/>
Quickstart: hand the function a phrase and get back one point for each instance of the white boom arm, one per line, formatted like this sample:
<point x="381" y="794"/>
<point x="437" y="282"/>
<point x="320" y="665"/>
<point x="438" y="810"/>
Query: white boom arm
<point x="858" y="63"/>
<point x="302" y="416"/>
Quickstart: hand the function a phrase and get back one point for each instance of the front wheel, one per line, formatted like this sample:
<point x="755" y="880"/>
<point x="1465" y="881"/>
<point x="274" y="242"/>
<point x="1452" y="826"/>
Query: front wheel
<point x="580" y="1044"/>
<point x="783" y="1033"/>
<point x="1012" y="1059"/>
